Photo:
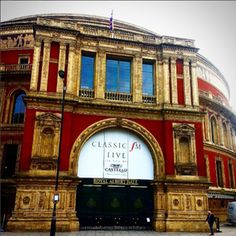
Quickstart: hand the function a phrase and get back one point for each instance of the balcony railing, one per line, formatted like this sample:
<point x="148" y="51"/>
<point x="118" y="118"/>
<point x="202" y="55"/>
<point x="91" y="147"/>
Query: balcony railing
<point x="126" y="97"/>
<point x="86" y="93"/>
<point x="149" y="99"/>
<point x="15" y="67"/>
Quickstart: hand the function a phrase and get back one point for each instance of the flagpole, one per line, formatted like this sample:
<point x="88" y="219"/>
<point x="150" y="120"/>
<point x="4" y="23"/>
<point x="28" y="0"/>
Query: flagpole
<point x="111" y="25"/>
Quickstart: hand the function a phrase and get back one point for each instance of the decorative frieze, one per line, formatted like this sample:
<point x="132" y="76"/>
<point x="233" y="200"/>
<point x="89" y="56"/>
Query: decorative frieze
<point x="20" y="41"/>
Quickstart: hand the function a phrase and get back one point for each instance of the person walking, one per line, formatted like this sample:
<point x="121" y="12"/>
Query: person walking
<point x="210" y="219"/>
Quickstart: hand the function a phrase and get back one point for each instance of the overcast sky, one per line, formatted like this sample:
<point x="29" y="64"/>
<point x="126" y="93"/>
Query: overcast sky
<point x="212" y="24"/>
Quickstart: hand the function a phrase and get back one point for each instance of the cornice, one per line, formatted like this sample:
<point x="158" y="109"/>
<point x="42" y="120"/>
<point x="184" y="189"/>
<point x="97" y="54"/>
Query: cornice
<point x="220" y="108"/>
<point x="219" y="149"/>
<point x="106" y="108"/>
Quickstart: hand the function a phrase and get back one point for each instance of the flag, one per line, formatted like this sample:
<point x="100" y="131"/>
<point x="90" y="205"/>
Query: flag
<point x="111" y="24"/>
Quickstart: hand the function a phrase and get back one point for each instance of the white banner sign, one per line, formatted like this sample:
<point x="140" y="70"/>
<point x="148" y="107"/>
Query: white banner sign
<point x="115" y="154"/>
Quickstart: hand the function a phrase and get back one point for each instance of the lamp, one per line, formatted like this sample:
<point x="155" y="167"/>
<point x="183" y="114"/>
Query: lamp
<point x="61" y="73"/>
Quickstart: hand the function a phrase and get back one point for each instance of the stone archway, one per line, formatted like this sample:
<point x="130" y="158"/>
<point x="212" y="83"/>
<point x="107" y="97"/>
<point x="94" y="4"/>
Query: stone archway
<point x="158" y="220"/>
<point x="157" y="155"/>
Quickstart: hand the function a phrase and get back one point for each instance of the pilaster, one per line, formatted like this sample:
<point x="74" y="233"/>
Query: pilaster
<point x="45" y="66"/>
<point x="159" y="216"/>
<point x="187" y="90"/>
<point x="195" y="94"/>
<point x="77" y="68"/>
<point x="221" y="136"/>
<point x="35" y="66"/>
<point x="137" y="79"/>
<point x="100" y="79"/>
<point x="166" y="82"/>
<point x="158" y="81"/>
<point x="71" y="81"/>
<point x="61" y="66"/>
<point x="174" y="81"/>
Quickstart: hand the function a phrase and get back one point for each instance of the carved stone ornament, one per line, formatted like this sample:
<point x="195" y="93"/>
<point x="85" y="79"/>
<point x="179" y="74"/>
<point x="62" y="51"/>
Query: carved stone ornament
<point x="17" y="41"/>
<point x="45" y="142"/>
<point x="185" y="149"/>
<point x="26" y="200"/>
<point x="186" y="168"/>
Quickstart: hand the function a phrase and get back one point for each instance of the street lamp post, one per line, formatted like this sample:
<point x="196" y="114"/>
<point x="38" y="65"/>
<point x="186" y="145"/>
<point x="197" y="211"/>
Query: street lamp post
<point x="56" y="195"/>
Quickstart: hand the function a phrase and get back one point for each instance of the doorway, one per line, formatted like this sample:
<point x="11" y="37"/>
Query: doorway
<point x="115" y="206"/>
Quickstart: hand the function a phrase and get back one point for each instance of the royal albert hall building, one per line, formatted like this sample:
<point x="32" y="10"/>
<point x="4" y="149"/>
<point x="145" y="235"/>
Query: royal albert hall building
<point x="146" y="138"/>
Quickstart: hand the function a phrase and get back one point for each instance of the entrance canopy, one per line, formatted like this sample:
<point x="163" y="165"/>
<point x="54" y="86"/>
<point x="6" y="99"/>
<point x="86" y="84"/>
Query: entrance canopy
<point x="115" y="154"/>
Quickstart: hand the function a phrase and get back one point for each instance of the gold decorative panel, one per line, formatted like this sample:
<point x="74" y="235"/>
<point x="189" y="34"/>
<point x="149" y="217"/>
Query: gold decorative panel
<point x="45" y="141"/>
<point x="184" y="149"/>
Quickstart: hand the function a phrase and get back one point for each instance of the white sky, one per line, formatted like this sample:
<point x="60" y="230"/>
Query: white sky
<point x="212" y="24"/>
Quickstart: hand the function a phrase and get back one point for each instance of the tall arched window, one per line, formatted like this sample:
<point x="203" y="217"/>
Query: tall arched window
<point x="214" y="131"/>
<point x="18" y="109"/>
<point x="225" y="135"/>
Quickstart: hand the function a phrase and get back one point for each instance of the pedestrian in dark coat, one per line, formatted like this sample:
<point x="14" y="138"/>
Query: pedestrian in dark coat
<point x="210" y="219"/>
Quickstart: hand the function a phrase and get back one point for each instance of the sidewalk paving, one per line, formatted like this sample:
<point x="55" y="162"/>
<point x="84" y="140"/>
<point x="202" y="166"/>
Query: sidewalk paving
<point x="227" y="230"/>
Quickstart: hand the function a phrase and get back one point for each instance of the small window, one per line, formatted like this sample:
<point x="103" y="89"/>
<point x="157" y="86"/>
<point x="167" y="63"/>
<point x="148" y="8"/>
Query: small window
<point x="219" y="173"/>
<point x="118" y="75"/>
<point x="9" y="160"/>
<point x="214" y="131"/>
<point x="24" y="61"/>
<point x="148" y="79"/>
<point x="87" y="71"/>
<point x="18" y="109"/>
<point x="231" y="176"/>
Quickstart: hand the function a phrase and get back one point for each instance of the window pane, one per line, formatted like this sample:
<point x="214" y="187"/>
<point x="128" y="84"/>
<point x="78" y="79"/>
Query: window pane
<point x="118" y="76"/>
<point x="87" y="72"/>
<point x="124" y="77"/>
<point x="24" y="61"/>
<point x="148" y="81"/>
<point x="112" y="76"/>
<point x="19" y="109"/>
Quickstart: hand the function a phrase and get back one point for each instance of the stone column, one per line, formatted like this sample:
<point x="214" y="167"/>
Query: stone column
<point x="221" y="133"/>
<point x="229" y="136"/>
<point x="166" y="82"/>
<point x="35" y="66"/>
<point x="61" y="66"/>
<point x="195" y="94"/>
<point x="159" y="83"/>
<point x="159" y="216"/>
<point x="137" y="79"/>
<point x="45" y="66"/>
<point x="71" y="81"/>
<point x="187" y="90"/>
<point x="100" y="79"/>
<point x="233" y="139"/>
<point x="78" y="67"/>
<point x="174" y="81"/>
<point x="206" y="121"/>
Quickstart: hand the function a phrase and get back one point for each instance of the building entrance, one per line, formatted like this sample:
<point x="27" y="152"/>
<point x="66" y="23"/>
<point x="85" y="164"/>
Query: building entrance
<point x="114" y="204"/>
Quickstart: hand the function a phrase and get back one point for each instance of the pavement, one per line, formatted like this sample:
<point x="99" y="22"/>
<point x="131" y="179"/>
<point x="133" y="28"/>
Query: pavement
<point x="227" y="230"/>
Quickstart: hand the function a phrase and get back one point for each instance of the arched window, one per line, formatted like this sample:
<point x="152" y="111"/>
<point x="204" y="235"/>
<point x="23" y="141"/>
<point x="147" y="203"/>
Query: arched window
<point x="225" y="135"/>
<point x="18" y="109"/>
<point x="214" y="132"/>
